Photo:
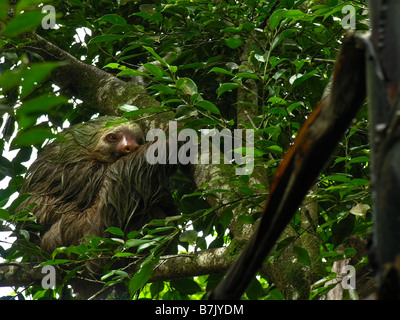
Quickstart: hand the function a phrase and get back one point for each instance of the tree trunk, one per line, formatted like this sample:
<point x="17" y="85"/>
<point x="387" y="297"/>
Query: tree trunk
<point x="383" y="87"/>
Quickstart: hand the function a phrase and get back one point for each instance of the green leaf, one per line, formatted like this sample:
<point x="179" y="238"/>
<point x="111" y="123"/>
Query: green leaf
<point x="189" y="236"/>
<point x="226" y="217"/>
<point x="147" y="245"/>
<point x="275" y="294"/>
<point x="32" y="137"/>
<point x="226" y="87"/>
<point x="340" y="159"/>
<point x="113" y="18"/>
<point x="25" y="4"/>
<point x="155" y="55"/>
<point x="260" y="153"/>
<point x="133" y="234"/>
<point x="172" y="218"/>
<point x="187" y="85"/>
<point x="244" y="218"/>
<point x="349" y="251"/>
<point x="360" y="182"/>
<point x="321" y="291"/>
<point x="106" y="38"/>
<point x="280" y="14"/>
<point x="154" y="70"/>
<point x="279" y="73"/>
<point x="4" y="214"/>
<point x="246" y="190"/>
<point x="156" y="288"/>
<point x="54" y="262"/>
<point x="233" y="43"/>
<point x="136" y="242"/>
<point x="186" y="286"/>
<point x="283" y="244"/>
<point x="23" y="22"/>
<point x="255" y="290"/>
<point x="277" y="100"/>
<point x="6" y="167"/>
<point x="114" y="65"/>
<point x="142" y="276"/>
<point x="77" y="2"/>
<point x="262" y="57"/>
<point x="301" y="79"/>
<point x="296" y="105"/>
<point x="163" y="88"/>
<point x="39" y="105"/>
<point x="122" y="254"/>
<point x="221" y="70"/>
<point x="119" y="273"/>
<point x="246" y="75"/>
<point x="233" y="30"/>
<point x="334" y="10"/>
<point x="279" y="111"/>
<point x="10" y="79"/>
<point x="284" y="34"/>
<point x="160" y="229"/>
<point x="144" y="111"/>
<point x="173" y="69"/>
<point x="4" y="7"/>
<point x="337" y="178"/>
<point x="71" y="274"/>
<point x="116" y="231"/>
<point x="302" y="256"/>
<point x="276" y="148"/>
<point x="360" y="159"/>
<point x="207" y="105"/>
<point x="131" y="72"/>
<point x="35" y="75"/>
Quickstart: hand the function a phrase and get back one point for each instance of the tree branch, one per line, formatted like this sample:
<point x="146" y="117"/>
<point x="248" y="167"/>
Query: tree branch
<point x="170" y="267"/>
<point x="189" y="265"/>
<point x="90" y="84"/>
<point x="19" y="274"/>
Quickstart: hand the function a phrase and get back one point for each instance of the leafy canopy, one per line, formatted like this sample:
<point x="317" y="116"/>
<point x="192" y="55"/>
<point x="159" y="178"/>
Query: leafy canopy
<point x="219" y="49"/>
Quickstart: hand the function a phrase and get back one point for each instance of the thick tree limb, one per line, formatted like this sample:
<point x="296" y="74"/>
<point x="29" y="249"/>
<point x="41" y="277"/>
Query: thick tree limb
<point x="170" y="267"/>
<point x="189" y="265"/>
<point x="19" y="274"/>
<point x="301" y="165"/>
<point x="94" y="86"/>
<point x="384" y="92"/>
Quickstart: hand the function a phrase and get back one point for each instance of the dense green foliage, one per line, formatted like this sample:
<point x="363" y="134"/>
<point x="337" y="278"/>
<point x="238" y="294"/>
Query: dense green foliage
<point x="286" y="48"/>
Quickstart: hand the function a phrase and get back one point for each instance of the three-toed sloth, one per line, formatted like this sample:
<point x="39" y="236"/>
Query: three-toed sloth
<point x="93" y="177"/>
